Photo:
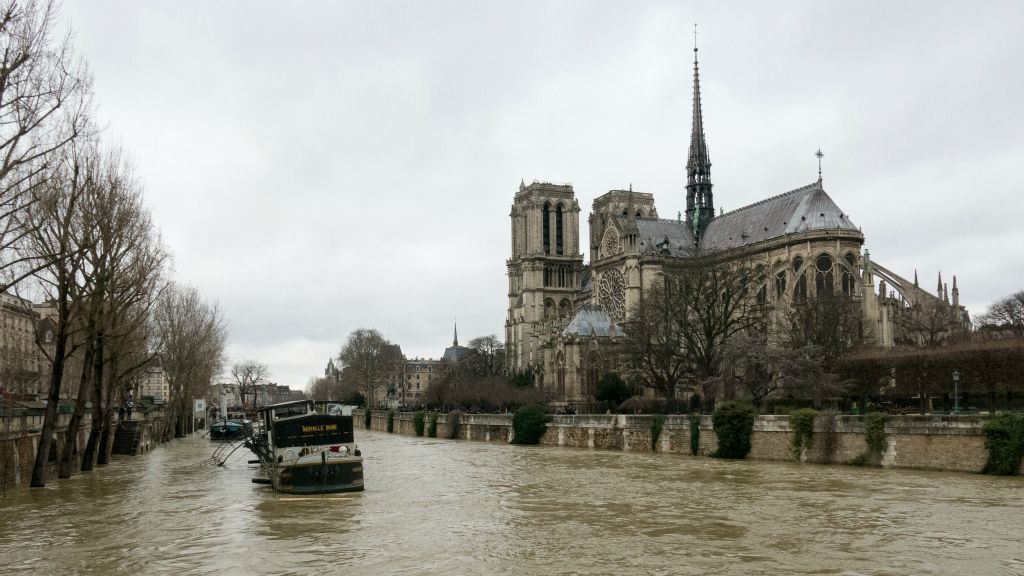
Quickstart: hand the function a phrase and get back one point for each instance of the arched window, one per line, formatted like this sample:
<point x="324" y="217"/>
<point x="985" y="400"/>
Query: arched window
<point x="780" y="284"/>
<point x="564" y="308"/>
<point x="797" y="263"/>
<point x="558" y="229"/>
<point x="560" y="365"/>
<point x="851" y="260"/>
<point x="549" y="307"/>
<point x="547" y="228"/>
<point x="592" y="375"/>
<point x="847" y="283"/>
<point x="824" y="282"/>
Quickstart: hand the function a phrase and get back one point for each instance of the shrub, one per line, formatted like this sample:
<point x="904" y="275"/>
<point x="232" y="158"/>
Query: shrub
<point x="391" y="420"/>
<point x="1004" y="440"/>
<point x="874" y="431"/>
<point x="734" y="423"/>
<point x="694" y="434"/>
<point x="419" y="422"/>
<point x="657" y="425"/>
<point x="454" y="419"/>
<point x="612" y="388"/>
<point x="367" y="418"/>
<point x="802" y="421"/>
<point x="529" y="424"/>
<point x="432" y="429"/>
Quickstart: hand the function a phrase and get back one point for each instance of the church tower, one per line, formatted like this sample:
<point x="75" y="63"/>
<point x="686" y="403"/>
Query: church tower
<point x="700" y="203"/>
<point x="545" y="270"/>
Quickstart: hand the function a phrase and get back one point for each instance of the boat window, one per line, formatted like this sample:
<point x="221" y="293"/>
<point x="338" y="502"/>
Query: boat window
<point x="289" y="411"/>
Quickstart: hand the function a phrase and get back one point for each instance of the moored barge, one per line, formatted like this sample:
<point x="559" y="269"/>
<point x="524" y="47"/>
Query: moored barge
<point x="307" y="447"/>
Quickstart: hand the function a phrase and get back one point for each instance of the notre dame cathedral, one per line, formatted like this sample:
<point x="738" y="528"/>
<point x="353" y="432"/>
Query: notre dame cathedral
<point x="564" y="316"/>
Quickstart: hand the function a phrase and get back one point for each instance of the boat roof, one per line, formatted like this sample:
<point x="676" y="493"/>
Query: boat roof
<point x="283" y="404"/>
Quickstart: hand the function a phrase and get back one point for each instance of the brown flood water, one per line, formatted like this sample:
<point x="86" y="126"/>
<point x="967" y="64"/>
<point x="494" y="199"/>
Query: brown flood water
<point x="445" y="507"/>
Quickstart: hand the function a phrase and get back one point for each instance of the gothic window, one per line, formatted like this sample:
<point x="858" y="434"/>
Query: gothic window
<point x="824" y="281"/>
<point x="549" y="307"/>
<point x="547" y="228"/>
<point x="780" y="284"/>
<point x="797" y="263"/>
<point x="563" y="308"/>
<point x="611" y="242"/>
<point x="612" y="292"/>
<point x="592" y="374"/>
<point x="847" y="283"/>
<point x="558" y="229"/>
<point x="560" y="362"/>
<point x="850" y="259"/>
<point x="762" y="295"/>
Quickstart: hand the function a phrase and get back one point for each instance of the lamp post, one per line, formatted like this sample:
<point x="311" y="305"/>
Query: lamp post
<point x="956" y="392"/>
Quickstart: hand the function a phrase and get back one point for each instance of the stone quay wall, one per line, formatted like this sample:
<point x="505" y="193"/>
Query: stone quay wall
<point x="19" y="440"/>
<point x="930" y="442"/>
<point x="20" y="435"/>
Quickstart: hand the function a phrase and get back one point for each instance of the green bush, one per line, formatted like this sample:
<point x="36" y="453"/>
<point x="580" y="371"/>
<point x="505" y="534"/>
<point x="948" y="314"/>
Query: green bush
<point x="454" y="419"/>
<point x="1004" y="440"/>
<point x="612" y="388"/>
<point x="802" y="422"/>
<point x="733" y="423"/>
<point x="874" y="437"/>
<point x="874" y="431"/>
<point x="529" y="424"/>
<point x="367" y="418"/>
<point x="432" y="429"/>
<point x="391" y="420"/>
<point x="694" y="434"/>
<point x="419" y="422"/>
<point x="657" y="425"/>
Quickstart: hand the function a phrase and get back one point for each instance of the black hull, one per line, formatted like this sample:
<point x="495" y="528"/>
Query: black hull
<point x="320" y="478"/>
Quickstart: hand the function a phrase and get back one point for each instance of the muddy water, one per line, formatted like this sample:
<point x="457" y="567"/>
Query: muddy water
<point x="443" y="507"/>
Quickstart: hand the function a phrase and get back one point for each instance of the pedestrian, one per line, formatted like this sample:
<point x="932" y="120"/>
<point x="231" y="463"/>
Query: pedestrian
<point x="129" y="406"/>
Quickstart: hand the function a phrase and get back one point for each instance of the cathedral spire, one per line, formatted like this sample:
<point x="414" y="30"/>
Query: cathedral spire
<point x="700" y="206"/>
<point x="455" y="342"/>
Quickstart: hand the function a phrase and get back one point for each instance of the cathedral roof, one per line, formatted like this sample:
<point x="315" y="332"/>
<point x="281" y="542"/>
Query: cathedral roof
<point x="803" y="209"/>
<point x="592" y="320"/>
<point x="657" y="236"/>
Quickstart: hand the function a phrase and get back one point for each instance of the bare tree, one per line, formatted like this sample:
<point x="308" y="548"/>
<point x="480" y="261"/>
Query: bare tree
<point x="486" y="355"/>
<point x="190" y="336"/>
<point x="753" y="369"/>
<point x="1004" y="315"/>
<point x="831" y="322"/>
<point x="248" y="375"/>
<point x="57" y="241"/>
<point x="929" y="323"/>
<point x="45" y="93"/>
<point x="679" y="328"/>
<point x="370" y="359"/>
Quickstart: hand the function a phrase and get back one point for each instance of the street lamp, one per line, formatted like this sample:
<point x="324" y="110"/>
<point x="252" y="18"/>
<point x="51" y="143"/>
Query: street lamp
<point x="956" y="392"/>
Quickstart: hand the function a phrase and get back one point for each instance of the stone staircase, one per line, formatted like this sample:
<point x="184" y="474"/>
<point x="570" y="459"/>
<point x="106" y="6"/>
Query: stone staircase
<point x="128" y="437"/>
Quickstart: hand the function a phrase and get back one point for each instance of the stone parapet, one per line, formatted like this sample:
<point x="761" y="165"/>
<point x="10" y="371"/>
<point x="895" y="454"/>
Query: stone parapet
<point x="954" y="443"/>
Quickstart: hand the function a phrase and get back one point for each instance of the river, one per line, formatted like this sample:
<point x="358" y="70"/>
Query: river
<point x="452" y="507"/>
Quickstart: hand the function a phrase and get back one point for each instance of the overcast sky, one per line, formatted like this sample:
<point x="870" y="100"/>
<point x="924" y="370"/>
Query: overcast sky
<point x="318" y="167"/>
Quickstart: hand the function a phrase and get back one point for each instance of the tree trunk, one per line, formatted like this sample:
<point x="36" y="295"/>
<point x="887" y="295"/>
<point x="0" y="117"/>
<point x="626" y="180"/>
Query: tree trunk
<point x="89" y="454"/>
<point x="53" y="398"/>
<point x="67" y="459"/>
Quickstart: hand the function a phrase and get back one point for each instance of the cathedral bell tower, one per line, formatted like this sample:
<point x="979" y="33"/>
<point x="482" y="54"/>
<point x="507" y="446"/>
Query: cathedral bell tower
<point x="700" y="203"/>
<point x="545" y="270"/>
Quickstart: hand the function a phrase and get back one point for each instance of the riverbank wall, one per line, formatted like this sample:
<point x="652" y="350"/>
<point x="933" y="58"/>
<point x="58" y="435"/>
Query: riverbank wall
<point x="20" y="435"/>
<point x="929" y="442"/>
